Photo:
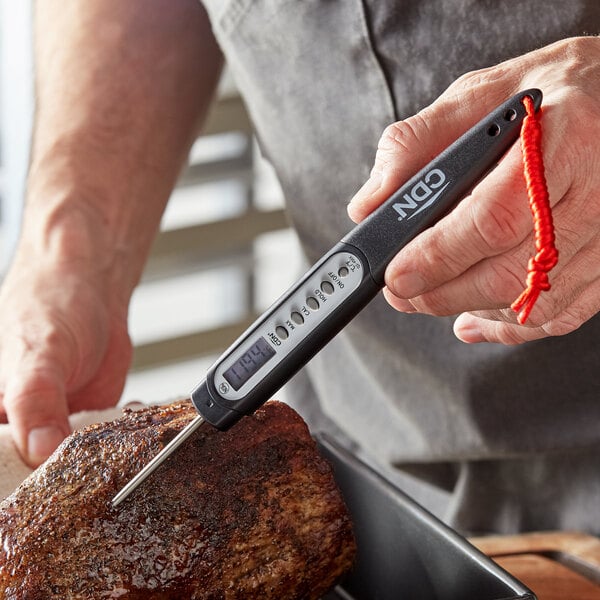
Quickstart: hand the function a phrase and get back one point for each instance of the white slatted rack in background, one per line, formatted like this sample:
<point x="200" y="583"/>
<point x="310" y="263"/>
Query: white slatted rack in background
<point x="223" y="255"/>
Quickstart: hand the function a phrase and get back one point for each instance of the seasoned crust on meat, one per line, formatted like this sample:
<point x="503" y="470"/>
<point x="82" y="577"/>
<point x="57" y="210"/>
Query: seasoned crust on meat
<point x="253" y="512"/>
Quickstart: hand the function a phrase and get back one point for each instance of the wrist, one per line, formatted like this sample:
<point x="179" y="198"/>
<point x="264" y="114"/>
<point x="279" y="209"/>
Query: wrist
<point x="68" y="227"/>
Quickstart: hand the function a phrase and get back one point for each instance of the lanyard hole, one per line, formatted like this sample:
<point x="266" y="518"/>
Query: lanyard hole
<point x="493" y="130"/>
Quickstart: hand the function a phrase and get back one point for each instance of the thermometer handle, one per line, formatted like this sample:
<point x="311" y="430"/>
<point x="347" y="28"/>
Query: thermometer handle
<point x="349" y="276"/>
<point x="434" y="190"/>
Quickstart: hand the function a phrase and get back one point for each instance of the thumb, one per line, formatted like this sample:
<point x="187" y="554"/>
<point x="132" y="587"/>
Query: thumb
<point x="36" y="408"/>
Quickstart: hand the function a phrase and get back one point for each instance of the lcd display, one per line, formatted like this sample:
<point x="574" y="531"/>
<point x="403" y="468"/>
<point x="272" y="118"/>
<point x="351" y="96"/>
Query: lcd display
<point x="249" y="363"/>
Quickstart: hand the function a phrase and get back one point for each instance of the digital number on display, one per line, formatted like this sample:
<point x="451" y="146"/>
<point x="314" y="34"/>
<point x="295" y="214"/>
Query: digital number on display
<point x="249" y="363"/>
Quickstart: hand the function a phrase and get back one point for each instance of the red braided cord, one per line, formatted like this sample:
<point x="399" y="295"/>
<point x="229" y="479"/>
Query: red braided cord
<point x="546" y="253"/>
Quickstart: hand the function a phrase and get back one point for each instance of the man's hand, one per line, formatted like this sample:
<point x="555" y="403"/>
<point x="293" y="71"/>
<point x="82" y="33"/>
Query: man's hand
<point x="64" y="348"/>
<point x="121" y="90"/>
<point x="474" y="261"/>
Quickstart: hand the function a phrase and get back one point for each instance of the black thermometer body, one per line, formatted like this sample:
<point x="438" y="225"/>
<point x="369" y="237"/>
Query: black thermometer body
<point x="349" y="276"/>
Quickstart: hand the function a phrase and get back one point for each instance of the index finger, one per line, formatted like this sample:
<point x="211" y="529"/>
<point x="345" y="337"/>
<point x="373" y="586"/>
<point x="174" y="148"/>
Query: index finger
<point x="36" y="407"/>
<point x="407" y="146"/>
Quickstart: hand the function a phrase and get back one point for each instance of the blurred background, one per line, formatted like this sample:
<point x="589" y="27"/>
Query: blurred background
<point x="224" y="252"/>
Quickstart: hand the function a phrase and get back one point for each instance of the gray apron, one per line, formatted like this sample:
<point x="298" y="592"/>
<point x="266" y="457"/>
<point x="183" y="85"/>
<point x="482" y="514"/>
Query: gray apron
<point x="492" y="438"/>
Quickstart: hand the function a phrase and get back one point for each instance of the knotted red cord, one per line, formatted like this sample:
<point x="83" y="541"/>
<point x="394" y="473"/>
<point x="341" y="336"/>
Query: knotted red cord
<point x="546" y="253"/>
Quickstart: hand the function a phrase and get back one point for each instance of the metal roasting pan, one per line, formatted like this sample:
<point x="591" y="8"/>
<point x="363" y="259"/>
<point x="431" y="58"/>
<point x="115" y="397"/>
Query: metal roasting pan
<point x="404" y="552"/>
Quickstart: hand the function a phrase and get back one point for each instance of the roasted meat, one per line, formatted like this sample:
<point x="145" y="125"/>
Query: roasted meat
<point x="249" y="513"/>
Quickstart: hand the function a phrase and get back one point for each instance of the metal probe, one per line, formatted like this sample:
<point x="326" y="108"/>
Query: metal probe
<point x="158" y="460"/>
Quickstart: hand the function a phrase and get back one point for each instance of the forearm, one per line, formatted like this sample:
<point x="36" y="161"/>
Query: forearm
<point x="121" y="88"/>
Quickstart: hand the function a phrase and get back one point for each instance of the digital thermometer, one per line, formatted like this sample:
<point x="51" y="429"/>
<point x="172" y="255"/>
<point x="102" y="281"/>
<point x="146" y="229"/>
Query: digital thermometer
<point x="343" y="281"/>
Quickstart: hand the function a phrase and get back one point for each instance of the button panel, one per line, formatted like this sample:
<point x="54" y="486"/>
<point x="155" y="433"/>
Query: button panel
<point x="291" y="319"/>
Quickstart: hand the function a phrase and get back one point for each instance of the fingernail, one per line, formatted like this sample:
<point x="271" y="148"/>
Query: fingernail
<point x="42" y="442"/>
<point x="408" y="284"/>
<point x="467" y="330"/>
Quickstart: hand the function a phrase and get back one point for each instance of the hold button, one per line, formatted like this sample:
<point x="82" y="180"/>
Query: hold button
<point x="313" y="303"/>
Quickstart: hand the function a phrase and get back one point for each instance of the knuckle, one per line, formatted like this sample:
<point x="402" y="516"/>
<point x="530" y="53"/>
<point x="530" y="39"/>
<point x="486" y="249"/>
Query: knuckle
<point x="469" y="81"/>
<point x="543" y="312"/>
<point x="437" y="256"/>
<point x="496" y="227"/>
<point x="575" y="53"/>
<point x="549" y="315"/>
<point x="402" y="136"/>
<point x="475" y="85"/>
<point x="433" y="303"/>
<point x="509" y="335"/>
<point x="36" y="383"/>
<point x="499" y="283"/>
<point x="433" y="264"/>
<point x="436" y="261"/>
<point x="569" y="238"/>
<point x="566" y="322"/>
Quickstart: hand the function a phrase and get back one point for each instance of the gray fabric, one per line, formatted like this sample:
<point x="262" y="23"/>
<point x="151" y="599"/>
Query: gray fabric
<point x="498" y="429"/>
